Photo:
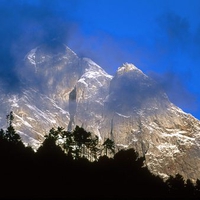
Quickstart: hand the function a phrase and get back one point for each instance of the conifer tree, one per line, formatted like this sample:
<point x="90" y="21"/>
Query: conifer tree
<point x="10" y="134"/>
<point x="109" y="147"/>
<point x="81" y="138"/>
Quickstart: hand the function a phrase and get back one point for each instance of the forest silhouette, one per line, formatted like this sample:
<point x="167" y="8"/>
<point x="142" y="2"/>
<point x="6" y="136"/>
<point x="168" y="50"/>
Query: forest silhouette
<point x="74" y="165"/>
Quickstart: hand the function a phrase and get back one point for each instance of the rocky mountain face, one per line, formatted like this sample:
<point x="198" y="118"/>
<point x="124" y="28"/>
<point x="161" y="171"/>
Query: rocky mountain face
<point x="61" y="89"/>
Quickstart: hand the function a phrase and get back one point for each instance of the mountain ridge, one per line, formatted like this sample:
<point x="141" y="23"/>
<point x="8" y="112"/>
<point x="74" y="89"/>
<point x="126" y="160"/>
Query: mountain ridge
<point x="61" y="89"/>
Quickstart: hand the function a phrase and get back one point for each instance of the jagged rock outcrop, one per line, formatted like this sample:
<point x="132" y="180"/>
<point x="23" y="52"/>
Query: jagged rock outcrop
<point x="61" y="89"/>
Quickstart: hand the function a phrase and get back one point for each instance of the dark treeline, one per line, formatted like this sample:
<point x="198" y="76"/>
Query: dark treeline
<point x="62" y="168"/>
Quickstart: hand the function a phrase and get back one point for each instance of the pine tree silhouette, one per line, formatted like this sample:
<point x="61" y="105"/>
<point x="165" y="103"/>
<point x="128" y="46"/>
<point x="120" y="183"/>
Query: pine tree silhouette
<point x="109" y="147"/>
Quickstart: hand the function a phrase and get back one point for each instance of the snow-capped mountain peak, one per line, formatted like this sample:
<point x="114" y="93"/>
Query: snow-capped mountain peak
<point x="127" y="67"/>
<point x="64" y="90"/>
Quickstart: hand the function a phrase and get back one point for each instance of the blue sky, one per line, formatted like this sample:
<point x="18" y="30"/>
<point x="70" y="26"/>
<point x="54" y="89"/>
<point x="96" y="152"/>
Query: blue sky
<point x="161" y="37"/>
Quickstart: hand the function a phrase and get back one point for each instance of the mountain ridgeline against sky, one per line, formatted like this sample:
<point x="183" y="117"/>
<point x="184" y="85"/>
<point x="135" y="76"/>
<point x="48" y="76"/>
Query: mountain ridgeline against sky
<point x="58" y="88"/>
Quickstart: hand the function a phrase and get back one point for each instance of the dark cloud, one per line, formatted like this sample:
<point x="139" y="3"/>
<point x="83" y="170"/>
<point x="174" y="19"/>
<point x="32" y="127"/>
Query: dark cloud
<point x="26" y="24"/>
<point x="172" y="60"/>
<point x="176" y="89"/>
<point x="195" y="53"/>
<point x="174" y="31"/>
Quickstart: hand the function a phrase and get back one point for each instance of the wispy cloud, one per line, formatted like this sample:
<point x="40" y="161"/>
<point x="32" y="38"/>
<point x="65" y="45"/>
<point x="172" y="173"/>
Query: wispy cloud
<point x="26" y="24"/>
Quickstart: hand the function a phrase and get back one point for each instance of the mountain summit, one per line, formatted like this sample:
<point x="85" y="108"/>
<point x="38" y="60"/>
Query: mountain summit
<point x="62" y="89"/>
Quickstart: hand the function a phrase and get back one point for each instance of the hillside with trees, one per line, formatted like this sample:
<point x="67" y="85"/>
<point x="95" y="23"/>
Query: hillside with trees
<point x="76" y="165"/>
